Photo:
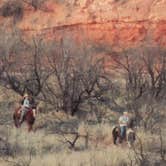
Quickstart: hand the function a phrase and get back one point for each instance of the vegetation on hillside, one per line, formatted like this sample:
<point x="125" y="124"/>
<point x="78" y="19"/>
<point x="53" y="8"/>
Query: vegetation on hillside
<point x="72" y="78"/>
<point x="13" y="9"/>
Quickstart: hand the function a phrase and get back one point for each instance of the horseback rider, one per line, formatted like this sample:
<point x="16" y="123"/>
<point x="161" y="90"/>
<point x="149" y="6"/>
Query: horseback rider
<point x="123" y="122"/>
<point x="26" y="106"/>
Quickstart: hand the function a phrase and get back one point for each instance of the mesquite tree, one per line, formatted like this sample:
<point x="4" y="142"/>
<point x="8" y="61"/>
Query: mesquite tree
<point x="77" y="78"/>
<point x="21" y="64"/>
<point x="144" y="71"/>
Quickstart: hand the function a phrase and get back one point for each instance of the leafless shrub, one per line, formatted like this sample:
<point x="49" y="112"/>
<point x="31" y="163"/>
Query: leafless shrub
<point x="5" y="148"/>
<point x="144" y="72"/>
<point x="72" y="142"/>
<point x="151" y="116"/>
<point x="20" y="162"/>
<point x="22" y="63"/>
<point x="69" y="79"/>
<point x="77" y="79"/>
<point x="140" y="157"/>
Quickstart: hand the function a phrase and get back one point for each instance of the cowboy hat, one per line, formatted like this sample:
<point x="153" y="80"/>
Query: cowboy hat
<point x="26" y="95"/>
<point x="125" y="112"/>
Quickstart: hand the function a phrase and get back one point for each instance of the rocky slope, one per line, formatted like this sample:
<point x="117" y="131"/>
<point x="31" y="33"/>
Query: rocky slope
<point x="115" y="22"/>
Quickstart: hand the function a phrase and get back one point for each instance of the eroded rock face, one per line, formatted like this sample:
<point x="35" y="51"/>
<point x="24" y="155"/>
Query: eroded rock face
<point x="115" y="22"/>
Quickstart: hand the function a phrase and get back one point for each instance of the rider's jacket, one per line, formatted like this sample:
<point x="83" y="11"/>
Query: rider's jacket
<point x="123" y="120"/>
<point x="26" y="103"/>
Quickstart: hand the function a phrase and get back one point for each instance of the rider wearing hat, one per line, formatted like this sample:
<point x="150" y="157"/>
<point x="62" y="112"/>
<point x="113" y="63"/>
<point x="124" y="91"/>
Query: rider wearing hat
<point x="25" y="106"/>
<point x="123" y="122"/>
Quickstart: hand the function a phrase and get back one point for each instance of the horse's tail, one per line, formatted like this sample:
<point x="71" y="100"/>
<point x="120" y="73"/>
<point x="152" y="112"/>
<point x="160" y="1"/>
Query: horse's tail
<point x="15" y="119"/>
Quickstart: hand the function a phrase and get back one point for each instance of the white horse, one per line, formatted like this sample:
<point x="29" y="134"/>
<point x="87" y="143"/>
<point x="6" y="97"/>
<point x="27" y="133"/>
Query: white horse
<point x="130" y="137"/>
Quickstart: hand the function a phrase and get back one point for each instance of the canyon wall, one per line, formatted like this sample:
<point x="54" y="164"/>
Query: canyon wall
<point x="112" y="22"/>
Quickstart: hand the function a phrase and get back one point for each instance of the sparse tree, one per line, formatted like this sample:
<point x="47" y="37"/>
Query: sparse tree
<point x="77" y="79"/>
<point x="22" y="69"/>
<point x="144" y="71"/>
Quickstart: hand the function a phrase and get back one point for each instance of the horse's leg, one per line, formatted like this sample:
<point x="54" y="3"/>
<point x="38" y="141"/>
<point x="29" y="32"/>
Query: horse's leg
<point x="29" y="127"/>
<point x="16" y="121"/>
<point x="30" y="120"/>
<point x="114" y="136"/>
<point x="115" y="140"/>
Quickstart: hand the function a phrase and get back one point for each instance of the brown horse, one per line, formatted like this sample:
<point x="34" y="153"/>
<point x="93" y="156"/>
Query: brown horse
<point x="28" y="117"/>
<point x="116" y="134"/>
<point x="130" y="136"/>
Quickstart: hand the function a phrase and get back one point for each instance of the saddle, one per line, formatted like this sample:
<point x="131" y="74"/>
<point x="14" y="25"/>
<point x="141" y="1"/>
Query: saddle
<point x="20" y="110"/>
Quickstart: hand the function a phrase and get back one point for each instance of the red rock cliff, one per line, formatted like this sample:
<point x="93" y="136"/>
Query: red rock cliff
<point x="115" y="22"/>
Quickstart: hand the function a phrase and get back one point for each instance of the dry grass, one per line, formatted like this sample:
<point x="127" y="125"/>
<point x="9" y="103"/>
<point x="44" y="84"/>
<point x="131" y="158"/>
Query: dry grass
<point x="51" y="149"/>
<point x="46" y="147"/>
<point x="90" y="157"/>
